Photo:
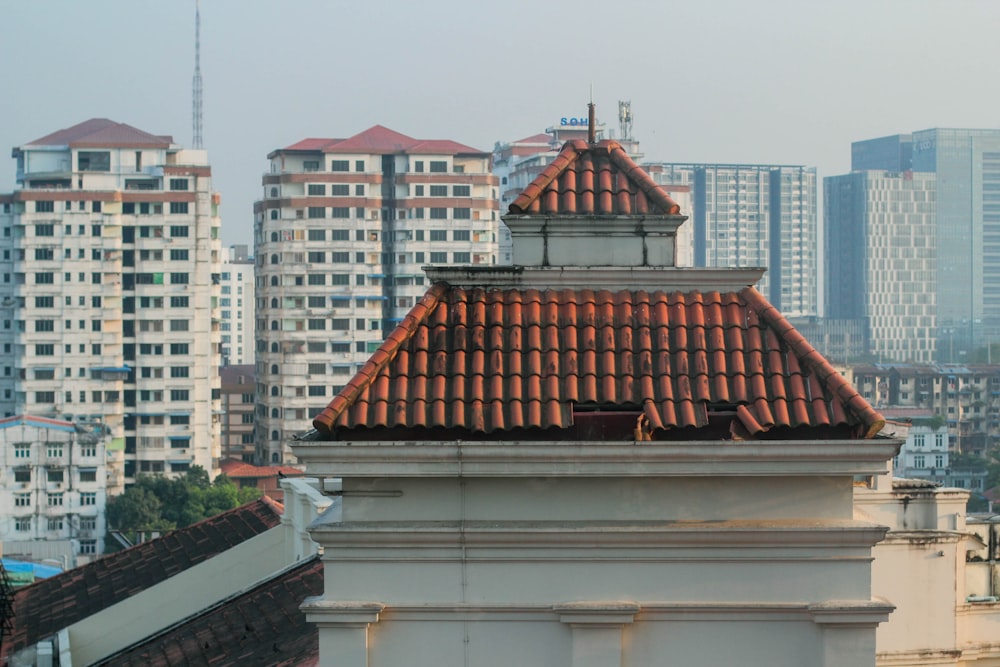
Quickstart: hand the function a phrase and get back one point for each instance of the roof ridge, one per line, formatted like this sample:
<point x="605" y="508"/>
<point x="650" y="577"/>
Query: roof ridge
<point x="617" y="154"/>
<point x="326" y="420"/>
<point x="810" y="356"/>
<point x="569" y="154"/>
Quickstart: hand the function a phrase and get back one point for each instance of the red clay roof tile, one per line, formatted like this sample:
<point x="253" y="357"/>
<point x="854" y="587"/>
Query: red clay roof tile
<point x="260" y="627"/>
<point x="52" y="604"/>
<point x="496" y="360"/>
<point x="593" y="179"/>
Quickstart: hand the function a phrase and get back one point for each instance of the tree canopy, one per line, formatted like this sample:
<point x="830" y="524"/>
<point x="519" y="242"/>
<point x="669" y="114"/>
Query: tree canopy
<point x="156" y="503"/>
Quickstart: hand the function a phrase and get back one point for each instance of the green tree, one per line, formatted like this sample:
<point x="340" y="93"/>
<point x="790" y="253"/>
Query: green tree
<point x="155" y="503"/>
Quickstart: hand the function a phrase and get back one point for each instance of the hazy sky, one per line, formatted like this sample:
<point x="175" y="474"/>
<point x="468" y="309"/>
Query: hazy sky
<point x="789" y="82"/>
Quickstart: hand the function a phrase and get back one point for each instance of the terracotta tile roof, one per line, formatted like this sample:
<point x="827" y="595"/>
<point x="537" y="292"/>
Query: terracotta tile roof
<point x="52" y="604"/>
<point x="260" y="627"/>
<point x="380" y="139"/>
<point x="102" y="132"/>
<point x="239" y="470"/>
<point x="593" y="179"/>
<point x="311" y="144"/>
<point x="483" y="361"/>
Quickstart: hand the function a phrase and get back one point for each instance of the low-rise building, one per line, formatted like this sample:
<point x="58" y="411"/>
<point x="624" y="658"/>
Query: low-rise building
<point x="55" y="487"/>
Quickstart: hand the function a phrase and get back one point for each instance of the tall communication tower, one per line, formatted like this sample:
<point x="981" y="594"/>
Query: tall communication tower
<point x="196" y="113"/>
<point x="625" y="119"/>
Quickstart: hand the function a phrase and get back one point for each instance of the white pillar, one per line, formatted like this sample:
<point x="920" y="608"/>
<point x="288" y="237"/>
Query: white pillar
<point x="343" y="630"/>
<point x="849" y="630"/>
<point x="597" y="630"/>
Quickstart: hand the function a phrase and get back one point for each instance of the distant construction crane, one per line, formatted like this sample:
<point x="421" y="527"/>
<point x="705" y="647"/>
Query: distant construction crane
<point x="196" y="112"/>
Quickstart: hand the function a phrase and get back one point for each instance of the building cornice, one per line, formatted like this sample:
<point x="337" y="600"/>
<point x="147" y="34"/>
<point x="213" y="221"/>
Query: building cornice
<point x="595" y="458"/>
<point x="651" y="278"/>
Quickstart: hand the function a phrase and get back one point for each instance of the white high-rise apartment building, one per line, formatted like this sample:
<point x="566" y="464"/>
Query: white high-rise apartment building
<point x="109" y="290"/>
<point x="755" y="215"/>
<point x="340" y="237"/>
<point x="236" y="307"/>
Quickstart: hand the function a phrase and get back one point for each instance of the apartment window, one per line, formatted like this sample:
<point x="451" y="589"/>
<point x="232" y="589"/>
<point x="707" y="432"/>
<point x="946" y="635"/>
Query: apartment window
<point x="439" y="166"/>
<point x="315" y="302"/>
<point x="45" y="302"/>
<point x="461" y="235"/>
<point x="44" y="253"/>
<point x="939" y="460"/>
<point x="461" y="190"/>
<point x="461" y="258"/>
<point x="439" y="258"/>
<point x="317" y="189"/>
<point x="178" y="231"/>
<point x="918" y="462"/>
<point x="418" y="257"/>
<point x="340" y="257"/>
<point x="89" y="475"/>
<point x="54" y="475"/>
<point x="178" y="371"/>
<point x="179" y="394"/>
<point x="461" y="213"/>
<point x="418" y="190"/>
<point x="178" y="302"/>
<point x="317" y="391"/>
<point x="439" y="190"/>
<point x="918" y="440"/>
<point x="359" y="165"/>
<point x="939" y="440"/>
<point x="22" y="474"/>
<point x="317" y="325"/>
<point x="22" y="450"/>
<point x="179" y="325"/>
<point x="307" y="165"/>
<point x="178" y="184"/>
<point x="22" y="524"/>
<point x="45" y="207"/>
<point x="45" y="278"/>
<point x="88" y="547"/>
<point x="418" y="166"/>
<point x="340" y="279"/>
<point x="88" y="450"/>
<point x="341" y="235"/>
<point x="340" y="190"/>
<point x="45" y="349"/>
<point x="22" y="500"/>
<point x="359" y="190"/>
<point x="340" y="212"/>
<point x="317" y="212"/>
<point x="55" y="500"/>
<point x="45" y="397"/>
<point x="439" y="235"/>
<point x="179" y="348"/>
<point x="178" y="207"/>
<point x="317" y="257"/>
<point x="340" y="165"/>
<point x="45" y="325"/>
<point x="439" y="214"/>
<point x="178" y="279"/>
<point x="317" y="234"/>
<point x="179" y="254"/>
<point x="55" y="523"/>
<point x="93" y="161"/>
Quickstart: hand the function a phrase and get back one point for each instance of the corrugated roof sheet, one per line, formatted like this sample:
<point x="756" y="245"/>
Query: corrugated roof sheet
<point x="485" y="361"/>
<point x="50" y="605"/>
<point x="260" y="627"/>
<point x="593" y="179"/>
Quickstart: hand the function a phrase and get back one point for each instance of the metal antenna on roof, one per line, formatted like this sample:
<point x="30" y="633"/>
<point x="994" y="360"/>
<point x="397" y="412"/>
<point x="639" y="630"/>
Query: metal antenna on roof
<point x="591" y="118"/>
<point x="196" y="114"/>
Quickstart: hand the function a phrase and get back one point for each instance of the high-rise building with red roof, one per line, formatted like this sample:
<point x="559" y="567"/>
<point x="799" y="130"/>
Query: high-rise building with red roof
<point x="341" y="234"/>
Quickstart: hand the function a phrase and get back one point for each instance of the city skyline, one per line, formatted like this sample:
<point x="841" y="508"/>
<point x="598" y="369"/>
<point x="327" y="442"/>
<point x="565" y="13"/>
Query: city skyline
<point x="834" y="74"/>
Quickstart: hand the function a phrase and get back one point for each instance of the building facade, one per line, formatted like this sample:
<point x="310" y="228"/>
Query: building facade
<point x="53" y="500"/>
<point x="236" y="307"/>
<point x="341" y="235"/>
<point x="881" y="259"/>
<point x="755" y="215"/>
<point x="238" y="411"/>
<point x="966" y="284"/>
<point x="110" y="293"/>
